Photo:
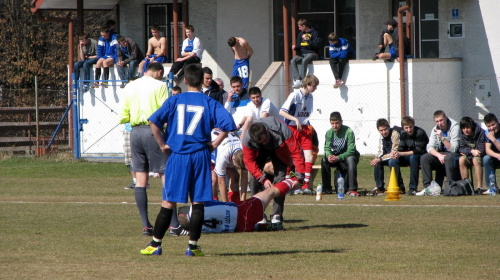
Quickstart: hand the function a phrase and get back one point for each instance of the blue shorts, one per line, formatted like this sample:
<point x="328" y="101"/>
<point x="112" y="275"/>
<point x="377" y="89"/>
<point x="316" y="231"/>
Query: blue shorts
<point x="393" y="53"/>
<point x="161" y="59"/>
<point x="241" y="68"/>
<point x="188" y="173"/>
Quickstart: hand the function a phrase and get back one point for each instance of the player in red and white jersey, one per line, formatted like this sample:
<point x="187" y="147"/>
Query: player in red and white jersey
<point x="296" y="110"/>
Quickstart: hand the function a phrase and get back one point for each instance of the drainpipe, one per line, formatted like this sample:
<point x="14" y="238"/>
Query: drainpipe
<point x="176" y="30"/>
<point x="286" y="46"/>
<point x="402" y="80"/>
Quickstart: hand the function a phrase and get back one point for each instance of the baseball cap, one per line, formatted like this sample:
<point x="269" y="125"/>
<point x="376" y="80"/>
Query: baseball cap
<point x="392" y="22"/>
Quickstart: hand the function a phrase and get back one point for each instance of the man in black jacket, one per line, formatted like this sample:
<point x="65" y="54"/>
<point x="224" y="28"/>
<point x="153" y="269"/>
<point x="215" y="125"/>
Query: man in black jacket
<point x="308" y="42"/>
<point x="412" y="145"/>
<point x="211" y="88"/>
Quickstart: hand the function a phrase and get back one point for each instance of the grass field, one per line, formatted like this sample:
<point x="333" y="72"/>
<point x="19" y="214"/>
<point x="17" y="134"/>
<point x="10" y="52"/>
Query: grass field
<point x="67" y="219"/>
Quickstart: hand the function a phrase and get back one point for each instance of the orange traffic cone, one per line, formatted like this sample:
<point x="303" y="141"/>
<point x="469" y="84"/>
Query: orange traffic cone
<point x="392" y="193"/>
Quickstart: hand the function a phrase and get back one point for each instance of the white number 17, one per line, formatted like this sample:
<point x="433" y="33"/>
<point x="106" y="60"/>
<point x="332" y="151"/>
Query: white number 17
<point x="181" y="110"/>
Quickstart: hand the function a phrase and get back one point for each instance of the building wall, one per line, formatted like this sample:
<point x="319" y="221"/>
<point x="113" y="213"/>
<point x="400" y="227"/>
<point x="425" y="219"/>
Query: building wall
<point x="372" y="91"/>
<point x="370" y="18"/>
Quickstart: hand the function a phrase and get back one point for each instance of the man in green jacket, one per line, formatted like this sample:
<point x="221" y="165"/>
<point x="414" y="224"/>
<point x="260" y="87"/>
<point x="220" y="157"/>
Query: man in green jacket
<point x="340" y="152"/>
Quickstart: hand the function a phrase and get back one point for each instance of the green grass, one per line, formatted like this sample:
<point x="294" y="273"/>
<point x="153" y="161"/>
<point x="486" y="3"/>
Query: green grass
<point x="67" y="219"/>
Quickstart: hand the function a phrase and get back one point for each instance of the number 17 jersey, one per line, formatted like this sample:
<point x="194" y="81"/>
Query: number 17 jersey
<point x="190" y="118"/>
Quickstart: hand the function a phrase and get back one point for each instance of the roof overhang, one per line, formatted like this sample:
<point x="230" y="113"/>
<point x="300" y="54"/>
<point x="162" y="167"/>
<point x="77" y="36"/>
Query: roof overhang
<point x="72" y="4"/>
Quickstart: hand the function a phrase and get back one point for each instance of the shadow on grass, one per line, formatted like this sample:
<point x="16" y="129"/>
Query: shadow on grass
<point x="334" y="226"/>
<point x="283" y="252"/>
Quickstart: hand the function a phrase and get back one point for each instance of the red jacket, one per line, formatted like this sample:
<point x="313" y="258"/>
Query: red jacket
<point x="286" y="147"/>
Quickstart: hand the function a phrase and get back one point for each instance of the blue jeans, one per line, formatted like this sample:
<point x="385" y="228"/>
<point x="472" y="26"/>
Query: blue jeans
<point x="490" y="164"/>
<point x="132" y="69"/>
<point x="413" y="162"/>
<point x="378" y="173"/>
<point x="87" y="65"/>
<point x="299" y="73"/>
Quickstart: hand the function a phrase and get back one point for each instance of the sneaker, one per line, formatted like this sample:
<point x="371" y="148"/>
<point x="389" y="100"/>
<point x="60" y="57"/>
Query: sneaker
<point x="147" y="231"/>
<point x="297" y="83"/>
<point x="276" y="225"/>
<point x="95" y="85"/>
<point x="295" y="192"/>
<point x="123" y="85"/>
<point x="411" y="193"/>
<point x="176" y="79"/>
<point x="338" y="83"/>
<point x="420" y="193"/>
<point x="178" y="231"/>
<point x="479" y="191"/>
<point x="130" y="187"/>
<point x="194" y="251"/>
<point x="104" y="84"/>
<point x="375" y="57"/>
<point x="327" y="192"/>
<point x="308" y="191"/>
<point x="353" y="193"/>
<point x="376" y="191"/>
<point x="85" y="88"/>
<point x="487" y="192"/>
<point x="150" y="250"/>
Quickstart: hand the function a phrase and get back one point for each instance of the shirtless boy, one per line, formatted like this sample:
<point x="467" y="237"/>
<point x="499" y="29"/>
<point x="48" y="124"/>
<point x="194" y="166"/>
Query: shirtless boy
<point x="242" y="53"/>
<point x="157" y="49"/>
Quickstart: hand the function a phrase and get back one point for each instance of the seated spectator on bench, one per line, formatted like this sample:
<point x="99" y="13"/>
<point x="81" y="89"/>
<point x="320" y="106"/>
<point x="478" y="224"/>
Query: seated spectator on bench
<point x="106" y="54"/>
<point x="340" y="152"/>
<point x="491" y="160"/>
<point x="471" y="149"/>
<point x="412" y="145"/>
<point x="442" y="151"/>
<point x="387" y="146"/>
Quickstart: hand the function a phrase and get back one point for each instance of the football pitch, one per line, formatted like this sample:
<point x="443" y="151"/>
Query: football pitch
<point x="67" y="219"/>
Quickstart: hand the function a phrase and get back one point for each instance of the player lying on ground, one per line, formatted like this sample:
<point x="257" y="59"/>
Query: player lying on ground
<point x="244" y="216"/>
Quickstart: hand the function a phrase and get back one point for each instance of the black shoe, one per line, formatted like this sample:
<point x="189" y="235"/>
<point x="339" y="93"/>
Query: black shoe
<point x="328" y="192"/>
<point x="411" y="192"/>
<point x="479" y="191"/>
<point x="178" y="231"/>
<point x="375" y="57"/>
<point x="148" y="231"/>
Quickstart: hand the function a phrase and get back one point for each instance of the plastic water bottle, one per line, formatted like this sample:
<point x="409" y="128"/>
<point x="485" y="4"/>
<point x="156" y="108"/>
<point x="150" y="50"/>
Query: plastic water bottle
<point x="340" y="188"/>
<point x="493" y="185"/>
<point x="319" y="192"/>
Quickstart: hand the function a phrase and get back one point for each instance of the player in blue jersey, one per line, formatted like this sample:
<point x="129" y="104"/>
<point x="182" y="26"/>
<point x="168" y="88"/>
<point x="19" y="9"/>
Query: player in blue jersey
<point x="242" y="53"/>
<point x="189" y="118"/>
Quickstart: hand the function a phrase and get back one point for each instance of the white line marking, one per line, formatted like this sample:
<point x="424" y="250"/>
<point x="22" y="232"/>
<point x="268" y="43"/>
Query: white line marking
<point x="287" y="204"/>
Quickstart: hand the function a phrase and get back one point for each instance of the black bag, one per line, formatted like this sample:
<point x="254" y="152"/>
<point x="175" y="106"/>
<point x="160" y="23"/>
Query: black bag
<point x="456" y="188"/>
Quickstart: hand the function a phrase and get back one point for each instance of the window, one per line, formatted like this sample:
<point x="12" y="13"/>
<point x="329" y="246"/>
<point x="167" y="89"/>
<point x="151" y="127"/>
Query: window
<point x="326" y="16"/>
<point x="162" y="15"/>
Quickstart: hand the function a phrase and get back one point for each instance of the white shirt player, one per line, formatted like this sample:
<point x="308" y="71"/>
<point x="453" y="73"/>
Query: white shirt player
<point x="224" y="153"/>
<point x="219" y="217"/>
<point x="298" y="105"/>
<point x="265" y="107"/>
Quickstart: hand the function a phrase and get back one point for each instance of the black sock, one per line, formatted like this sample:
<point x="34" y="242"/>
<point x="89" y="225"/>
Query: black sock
<point x="106" y="74"/>
<point x="97" y="74"/>
<point x="162" y="223"/>
<point x="196" y="222"/>
<point x="382" y="50"/>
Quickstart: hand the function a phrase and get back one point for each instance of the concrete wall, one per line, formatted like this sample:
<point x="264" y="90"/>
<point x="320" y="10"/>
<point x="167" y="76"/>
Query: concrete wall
<point x="372" y="91"/>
